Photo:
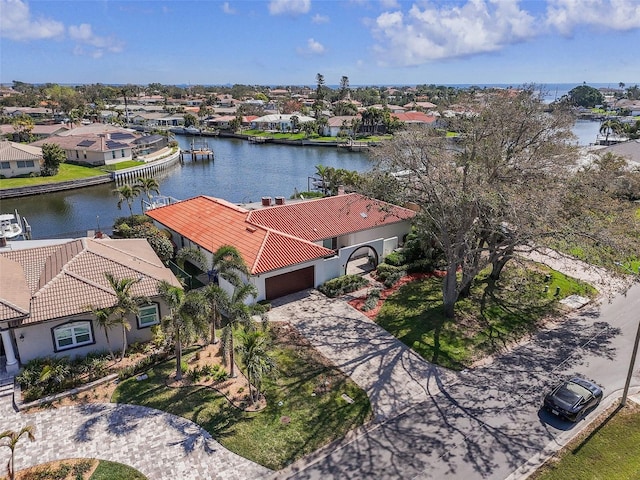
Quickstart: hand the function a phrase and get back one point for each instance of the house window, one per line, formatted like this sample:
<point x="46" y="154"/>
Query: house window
<point x="71" y="335"/>
<point x="149" y="315"/>
<point x="122" y="153"/>
<point x="113" y="154"/>
<point x="331" y="243"/>
<point x="77" y="154"/>
<point x="5" y="165"/>
<point x="22" y="164"/>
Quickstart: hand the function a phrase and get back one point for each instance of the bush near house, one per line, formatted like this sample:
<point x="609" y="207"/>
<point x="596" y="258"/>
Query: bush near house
<point x="341" y="285"/>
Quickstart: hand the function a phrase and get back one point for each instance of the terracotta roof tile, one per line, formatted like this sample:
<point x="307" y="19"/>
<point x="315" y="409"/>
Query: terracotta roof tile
<point x="213" y="223"/>
<point x="329" y="217"/>
<point x="63" y="280"/>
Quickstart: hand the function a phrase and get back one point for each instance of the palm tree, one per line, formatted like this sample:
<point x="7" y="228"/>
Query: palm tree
<point x="105" y="320"/>
<point x="10" y="439"/>
<point x="148" y="185"/>
<point x="239" y="313"/>
<point x="218" y="302"/>
<point x="126" y="304"/>
<point x="323" y="172"/>
<point x="186" y="319"/>
<point x="609" y="126"/>
<point x="127" y="193"/>
<point x="253" y="348"/>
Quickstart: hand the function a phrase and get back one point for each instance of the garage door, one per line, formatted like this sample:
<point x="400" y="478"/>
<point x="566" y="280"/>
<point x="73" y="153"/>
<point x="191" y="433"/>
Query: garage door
<point x="291" y="282"/>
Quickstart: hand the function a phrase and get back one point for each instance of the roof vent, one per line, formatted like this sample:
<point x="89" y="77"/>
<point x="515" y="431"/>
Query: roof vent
<point x="251" y="229"/>
<point x="266" y="201"/>
<point x="279" y="200"/>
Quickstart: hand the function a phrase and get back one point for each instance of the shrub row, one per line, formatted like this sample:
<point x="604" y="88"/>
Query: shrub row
<point x="142" y="365"/>
<point x="341" y="285"/>
<point x="46" y="376"/>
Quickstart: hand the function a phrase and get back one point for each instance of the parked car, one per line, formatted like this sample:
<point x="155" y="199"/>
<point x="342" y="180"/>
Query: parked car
<point x="573" y="399"/>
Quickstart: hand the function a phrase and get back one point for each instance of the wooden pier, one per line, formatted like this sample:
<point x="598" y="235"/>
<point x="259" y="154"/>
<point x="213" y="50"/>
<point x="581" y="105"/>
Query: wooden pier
<point x="199" y="150"/>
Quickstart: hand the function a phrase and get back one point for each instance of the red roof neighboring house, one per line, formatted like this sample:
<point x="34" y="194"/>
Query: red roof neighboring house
<point x="415" y="117"/>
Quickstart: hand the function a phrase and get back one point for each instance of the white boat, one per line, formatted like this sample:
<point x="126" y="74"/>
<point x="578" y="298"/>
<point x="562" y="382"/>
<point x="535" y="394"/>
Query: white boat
<point x="192" y="130"/>
<point x="10" y="225"/>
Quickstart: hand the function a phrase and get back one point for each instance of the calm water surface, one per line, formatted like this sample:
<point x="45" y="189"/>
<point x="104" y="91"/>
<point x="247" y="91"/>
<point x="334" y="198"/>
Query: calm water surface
<point x="241" y="172"/>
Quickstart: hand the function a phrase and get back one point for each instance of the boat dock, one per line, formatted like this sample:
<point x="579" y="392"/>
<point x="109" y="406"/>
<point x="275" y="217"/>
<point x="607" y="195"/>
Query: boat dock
<point x="199" y="150"/>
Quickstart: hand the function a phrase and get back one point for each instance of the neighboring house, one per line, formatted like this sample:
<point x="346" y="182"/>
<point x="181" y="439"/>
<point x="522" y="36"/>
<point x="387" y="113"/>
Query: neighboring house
<point x="340" y="123"/>
<point x="157" y="119"/>
<point x="38" y="132"/>
<point x="17" y="159"/>
<point x="280" y="122"/>
<point x="95" y="144"/>
<point x="289" y="247"/>
<point x="224" y="122"/>
<point x="630" y="150"/>
<point x="46" y="291"/>
<point x="415" y="118"/>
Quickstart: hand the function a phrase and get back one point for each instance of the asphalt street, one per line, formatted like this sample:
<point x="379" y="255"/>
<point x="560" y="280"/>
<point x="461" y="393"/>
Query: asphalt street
<point x="486" y="423"/>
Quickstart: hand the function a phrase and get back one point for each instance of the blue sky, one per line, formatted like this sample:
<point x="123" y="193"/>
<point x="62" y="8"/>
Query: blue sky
<point x="282" y="42"/>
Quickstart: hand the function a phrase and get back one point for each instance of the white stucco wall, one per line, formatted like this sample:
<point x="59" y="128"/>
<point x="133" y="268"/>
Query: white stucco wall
<point x="38" y="339"/>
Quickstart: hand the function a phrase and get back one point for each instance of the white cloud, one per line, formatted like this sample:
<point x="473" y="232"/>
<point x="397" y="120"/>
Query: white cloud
<point x="289" y="7"/>
<point x="16" y="23"/>
<point x="389" y="4"/>
<point x="565" y="15"/>
<point x="313" y="48"/>
<point x="317" y="18"/>
<point x="83" y="34"/>
<point x="430" y="33"/>
<point x="226" y="8"/>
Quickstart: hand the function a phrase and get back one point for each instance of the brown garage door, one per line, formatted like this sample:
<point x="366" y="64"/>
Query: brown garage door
<point x="291" y="282"/>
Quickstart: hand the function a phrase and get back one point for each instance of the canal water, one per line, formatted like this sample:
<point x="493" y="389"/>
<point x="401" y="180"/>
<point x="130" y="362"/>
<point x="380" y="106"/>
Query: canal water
<point x="241" y="172"/>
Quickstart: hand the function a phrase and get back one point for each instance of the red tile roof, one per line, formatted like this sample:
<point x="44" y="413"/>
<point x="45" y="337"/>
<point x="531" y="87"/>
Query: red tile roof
<point x="212" y="223"/>
<point x="329" y="217"/>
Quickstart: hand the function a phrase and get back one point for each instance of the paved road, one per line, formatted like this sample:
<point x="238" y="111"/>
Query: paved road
<point x="488" y="424"/>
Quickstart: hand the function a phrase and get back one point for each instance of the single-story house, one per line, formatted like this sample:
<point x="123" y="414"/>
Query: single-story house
<point x="47" y="288"/>
<point x="95" y="144"/>
<point x="340" y="123"/>
<point x="415" y="118"/>
<point x="18" y="159"/>
<point x="38" y="132"/>
<point x="223" y="122"/>
<point x="280" y="122"/>
<point x="289" y="246"/>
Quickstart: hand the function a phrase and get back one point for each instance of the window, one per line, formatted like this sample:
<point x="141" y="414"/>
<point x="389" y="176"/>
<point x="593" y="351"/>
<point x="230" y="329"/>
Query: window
<point x="5" y="165"/>
<point x="71" y="335"/>
<point x="113" y="153"/>
<point x="149" y="315"/>
<point x="77" y="154"/>
<point x="122" y="153"/>
<point x="21" y="164"/>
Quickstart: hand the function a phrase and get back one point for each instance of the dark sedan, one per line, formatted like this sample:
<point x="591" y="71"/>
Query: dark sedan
<point x="572" y="399"/>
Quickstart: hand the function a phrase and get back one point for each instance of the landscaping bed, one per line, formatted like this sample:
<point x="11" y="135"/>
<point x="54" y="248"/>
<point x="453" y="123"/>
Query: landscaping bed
<point x="309" y="403"/>
<point x="80" y="469"/>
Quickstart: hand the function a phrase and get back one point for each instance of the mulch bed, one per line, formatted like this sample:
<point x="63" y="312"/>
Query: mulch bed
<point x="358" y="302"/>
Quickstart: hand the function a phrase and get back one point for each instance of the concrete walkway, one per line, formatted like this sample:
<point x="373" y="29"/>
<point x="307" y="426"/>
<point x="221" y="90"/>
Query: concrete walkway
<point x="160" y="445"/>
<point x="393" y="376"/>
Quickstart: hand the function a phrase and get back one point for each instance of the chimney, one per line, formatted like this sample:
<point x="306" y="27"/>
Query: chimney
<point x="340" y="189"/>
<point x="266" y="201"/>
<point x="279" y="200"/>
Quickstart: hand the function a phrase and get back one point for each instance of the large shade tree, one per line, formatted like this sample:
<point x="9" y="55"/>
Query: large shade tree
<point x="489" y="190"/>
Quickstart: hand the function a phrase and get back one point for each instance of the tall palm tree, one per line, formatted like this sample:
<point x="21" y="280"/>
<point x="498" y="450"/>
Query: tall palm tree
<point x="10" y="439"/>
<point x="253" y="347"/>
<point x="186" y="319"/>
<point x="127" y="193"/>
<point x="239" y="313"/>
<point x="148" y="185"/>
<point x="105" y="320"/>
<point x="126" y="303"/>
<point x="218" y="301"/>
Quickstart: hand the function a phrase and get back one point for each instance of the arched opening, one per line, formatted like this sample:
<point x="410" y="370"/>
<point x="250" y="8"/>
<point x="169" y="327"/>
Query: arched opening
<point x="362" y="260"/>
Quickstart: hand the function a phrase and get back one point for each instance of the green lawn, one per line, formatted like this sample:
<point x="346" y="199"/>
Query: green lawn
<point x="66" y="172"/>
<point x="491" y="318"/>
<point x="314" y="420"/>
<point x="611" y="451"/>
<point x="122" y="165"/>
<point x="116" y="471"/>
<point x="78" y="468"/>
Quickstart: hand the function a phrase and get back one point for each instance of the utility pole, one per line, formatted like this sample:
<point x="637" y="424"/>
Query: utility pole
<point x="632" y="362"/>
